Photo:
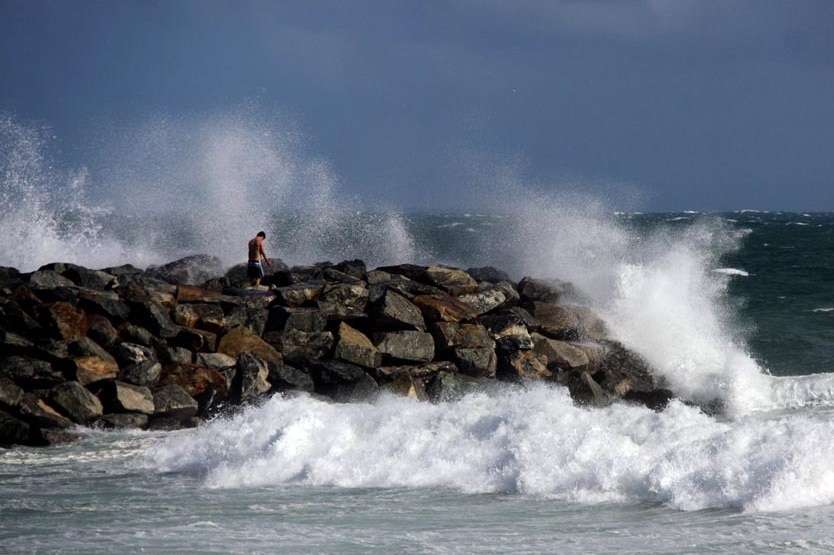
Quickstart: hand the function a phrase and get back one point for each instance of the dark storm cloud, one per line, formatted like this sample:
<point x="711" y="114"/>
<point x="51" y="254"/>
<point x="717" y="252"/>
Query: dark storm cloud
<point x="702" y="104"/>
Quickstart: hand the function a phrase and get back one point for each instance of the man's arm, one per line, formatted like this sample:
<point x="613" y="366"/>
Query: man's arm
<point x="263" y="254"/>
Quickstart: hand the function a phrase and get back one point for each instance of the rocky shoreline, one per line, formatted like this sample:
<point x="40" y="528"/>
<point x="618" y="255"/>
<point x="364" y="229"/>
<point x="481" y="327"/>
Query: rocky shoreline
<point x="170" y="346"/>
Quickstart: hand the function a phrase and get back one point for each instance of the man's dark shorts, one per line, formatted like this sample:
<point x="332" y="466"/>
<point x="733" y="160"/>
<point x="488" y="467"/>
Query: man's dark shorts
<point x="254" y="270"/>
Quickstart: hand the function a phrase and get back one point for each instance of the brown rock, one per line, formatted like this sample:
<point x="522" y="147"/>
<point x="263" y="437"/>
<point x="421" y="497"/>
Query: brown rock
<point x="123" y="397"/>
<point x="241" y="340"/>
<point x="191" y="292"/>
<point x="208" y="317"/>
<point x="194" y="379"/>
<point x="491" y="298"/>
<point x="407" y="386"/>
<point x="444" y="308"/>
<point x="406" y="345"/>
<point x="297" y="295"/>
<point x="452" y="280"/>
<point x="468" y="336"/>
<point x="296" y="344"/>
<point x="92" y="369"/>
<point x="355" y="347"/>
<point x="523" y="364"/>
<point x="64" y="321"/>
<point x="560" y="354"/>
<point x="478" y="363"/>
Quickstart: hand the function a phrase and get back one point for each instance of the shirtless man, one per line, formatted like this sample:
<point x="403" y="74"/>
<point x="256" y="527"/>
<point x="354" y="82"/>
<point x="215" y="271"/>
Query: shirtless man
<point x="254" y="270"/>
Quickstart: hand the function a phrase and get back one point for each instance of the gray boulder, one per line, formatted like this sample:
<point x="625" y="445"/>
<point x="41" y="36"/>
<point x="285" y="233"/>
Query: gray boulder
<point x="173" y="402"/>
<point x="405" y="345"/>
<point x="75" y="402"/>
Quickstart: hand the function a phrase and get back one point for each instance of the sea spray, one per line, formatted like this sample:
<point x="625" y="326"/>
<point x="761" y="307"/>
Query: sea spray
<point x="530" y="440"/>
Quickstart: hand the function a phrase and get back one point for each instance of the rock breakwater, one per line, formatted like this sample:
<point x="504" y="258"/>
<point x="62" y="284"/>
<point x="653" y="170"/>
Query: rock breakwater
<point x="170" y="346"/>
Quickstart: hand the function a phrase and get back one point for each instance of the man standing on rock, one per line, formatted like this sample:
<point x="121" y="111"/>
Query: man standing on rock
<point x="254" y="270"/>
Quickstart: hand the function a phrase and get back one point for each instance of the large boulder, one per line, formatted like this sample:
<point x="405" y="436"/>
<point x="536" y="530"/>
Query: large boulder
<point x="241" y="340"/>
<point x="48" y="279"/>
<point x="341" y="381"/>
<point x="477" y="362"/>
<point x="38" y="413"/>
<point x="154" y="316"/>
<point x="100" y="330"/>
<point x="172" y="401"/>
<point x="104" y="303"/>
<point x="195" y="379"/>
<point x="298" y="295"/>
<point x="118" y="396"/>
<point x="560" y="355"/>
<point x="251" y="381"/>
<point x="296" y="345"/>
<point x="452" y="280"/>
<point x="208" y="317"/>
<point x="282" y="318"/>
<point x="190" y="270"/>
<point x="394" y="311"/>
<point x="569" y="323"/>
<point x="284" y="377"/>
<point x="63" y="321"/>
<point x="91" y="369"/>
<point x="12" y="430"/>
<point x="75" y="402"/>
<point x="139" y="365"/>
<point x="353" y="346"/>
<point x="523" y="365"/>
<point x="31" y="373"/>
<point x="549" y="291"/>
<point x="488" y="274"/>
<point x="444" y="308"/>
<point x="448" y="335"/>
<point x="405" y="345"/>
<point x="448" y="387"/>
<point x="493" y="297"/>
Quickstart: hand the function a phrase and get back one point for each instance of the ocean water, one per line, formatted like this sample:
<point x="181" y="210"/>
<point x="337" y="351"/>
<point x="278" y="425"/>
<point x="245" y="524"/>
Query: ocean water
<point x="737" y="306"/>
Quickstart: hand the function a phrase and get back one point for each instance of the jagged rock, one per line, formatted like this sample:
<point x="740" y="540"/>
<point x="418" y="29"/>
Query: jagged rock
<point x="586" y="391"/>
<point x="48" y="279"/>
<point x="75" y="402"/>
<point x="447" y="387"/>
<point x="139" y="365"/>
<point x="31" y="373"/>
<point x="10" y="394"/>
<point x="87" y="347"/>
<point x="283" y="318"/>
<point x="118" y="396"/>
<point x="284" y="377"/>
<point x="171" y="354"/>
<point x="501" y="295"/>
<point x="39" y="414"/>
<point x="252" y="318"/>
<point x="488" y="274"/>
<point x="136" y="334"/>
<point x="407" y="386"/>
<point x="453" y="334"/>
<point x="90" y="279"/>
<point x="355" y="347"/>
<point x="444" y="308"/>
<point x="240" y="340"/>
<point x="195" y="379"/>
<point x="296" y="344"/>
<point x="297" y="295"/>
<point x="173" y="402"/>
<point x="123" y="421"/>
<point x="91" y="369"/>
<point x="147" y="289"/>
<point x="405" y="345"/>
<point x="190" y="270"/>
<point x="12" y="430"/>
<point x="63" y="321"/>
<point x="523" y="365"/>
<point x="560" y="355"/>
<point x="569" y="323"/>
<point x="207" y="317"/>
<point x="152" y="315"/>
<point x="346" y="295"/>
<point x="340" y="381"/>
<point x="396" y="312"/>
<point x="548" y="291"/>
<point x="252" y="377"/>
<point x="100" y="330"/>
<point x="195" y="340"/>
<point x="354" y="268"/>
<point x="133" y="353"/>
<point x="217" y="361"/>
<point x="479" y="363"/>
<point x="452" y="280"/>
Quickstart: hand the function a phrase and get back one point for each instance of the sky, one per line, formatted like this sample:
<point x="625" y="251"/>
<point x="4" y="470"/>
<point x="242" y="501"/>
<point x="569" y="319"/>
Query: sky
<point x="658" y="104"/>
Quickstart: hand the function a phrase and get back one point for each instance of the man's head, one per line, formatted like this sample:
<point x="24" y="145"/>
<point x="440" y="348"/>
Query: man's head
<point x="261" y="234"/>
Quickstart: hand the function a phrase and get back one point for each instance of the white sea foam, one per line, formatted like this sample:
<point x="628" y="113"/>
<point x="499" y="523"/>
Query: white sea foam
<point x="824" y="309"/>
<point x="532" y="441"/>
<point x="731" y="272"/>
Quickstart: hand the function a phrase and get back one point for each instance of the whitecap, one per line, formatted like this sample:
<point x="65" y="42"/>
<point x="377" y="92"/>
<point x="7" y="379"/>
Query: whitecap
<point x="731" y="272"/>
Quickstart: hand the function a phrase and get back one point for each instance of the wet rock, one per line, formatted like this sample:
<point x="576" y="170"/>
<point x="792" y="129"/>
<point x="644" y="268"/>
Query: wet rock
<point x="418" y="371"/>
<point x="39" y="414"/>
<point x="48" y="279"/>
<point x="252" y="375"/>
<point x="63" y="320"/>
<point x="452" y="280"/>
<point x="190" y="270"/>
<point x="354" y="268"/>
<point x="407" y="386"/>
<point x="284" y="377"/>
<point x="31" y="373"/>
<point x="195" y="379"/>
<point x="12" y="430"/>
<point x="122" y="421"/>
<point x="444" y="308"/>
<point x="75" y="402"/>
<point x="523" y="365"/>
<point x="509" y="329"/>
<point x="492" y="298"/>
<point x="586" y="391"/>
<point x="240" y="340"/>
<point x="405" y="345"/>
<point x="560" y="355"/>
<point x="394" y="311"/>
<point x="297" y="345"/>
<point x="568" y="323"/>
<point x="341" y="381"/>
<point x="548" y="291"/>
<point x="207" y="317"/>
<point x="355" y="347"/>
<point x="488" y="274"/>
<point x="447" y="387"/>
<point x="118" y="396"/>
<point x="479" y="362"/>
<point x="173" y="402"/>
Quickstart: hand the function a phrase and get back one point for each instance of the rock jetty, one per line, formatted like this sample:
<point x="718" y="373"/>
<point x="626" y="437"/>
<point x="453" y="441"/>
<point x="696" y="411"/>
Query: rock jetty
<point x="170" y="346"/>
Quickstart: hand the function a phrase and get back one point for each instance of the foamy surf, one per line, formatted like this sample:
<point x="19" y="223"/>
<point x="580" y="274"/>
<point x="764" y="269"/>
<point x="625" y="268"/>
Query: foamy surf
<point x="530" y="441"/>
